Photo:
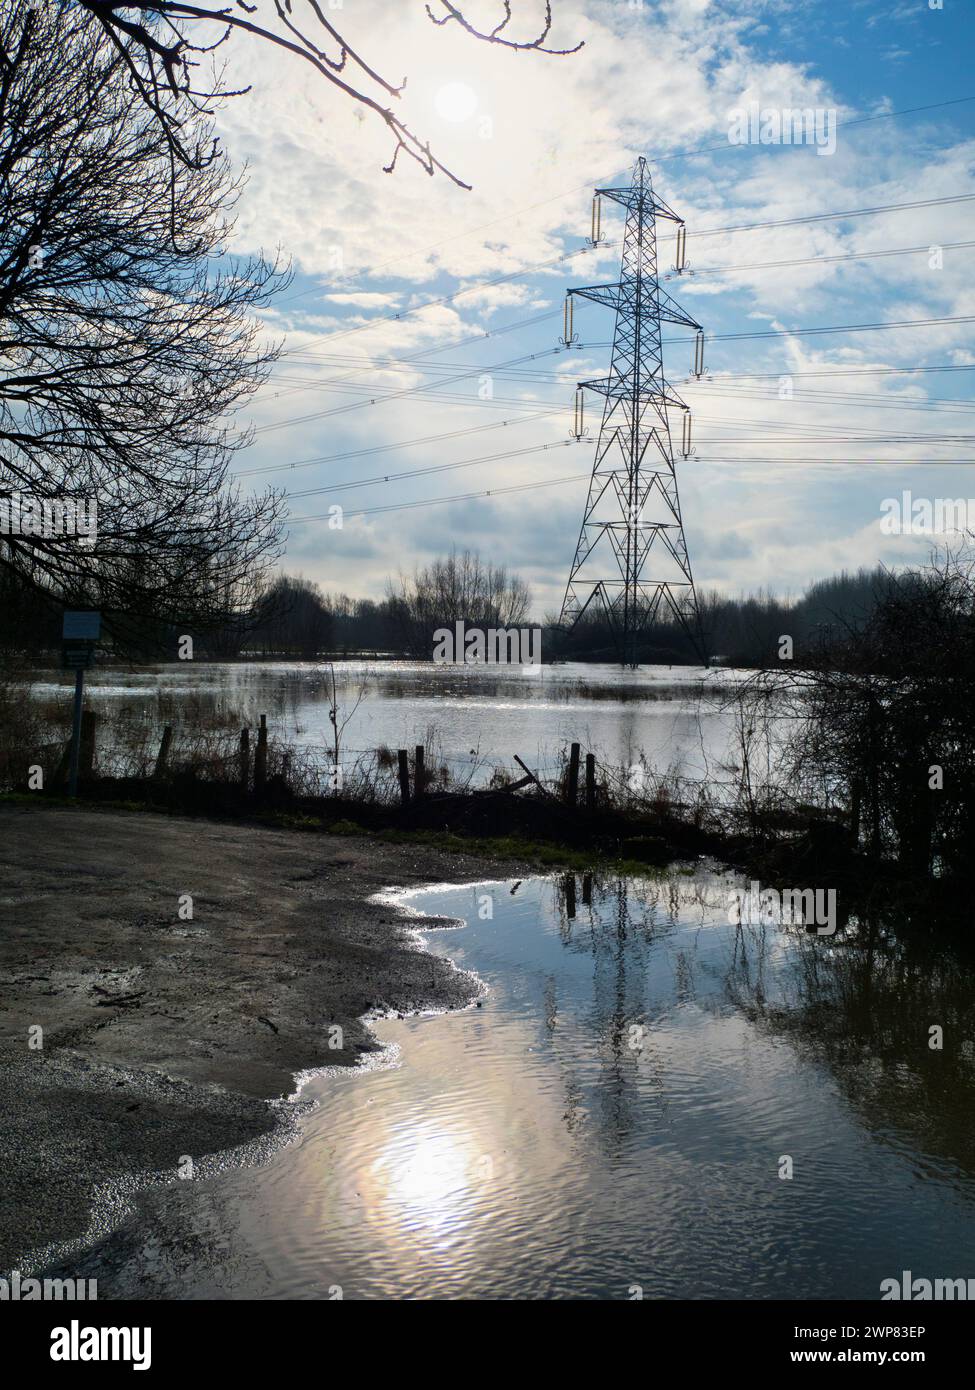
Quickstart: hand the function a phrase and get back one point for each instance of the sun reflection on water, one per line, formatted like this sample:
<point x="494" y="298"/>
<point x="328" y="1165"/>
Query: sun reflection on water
<point x="428" y="1173"/>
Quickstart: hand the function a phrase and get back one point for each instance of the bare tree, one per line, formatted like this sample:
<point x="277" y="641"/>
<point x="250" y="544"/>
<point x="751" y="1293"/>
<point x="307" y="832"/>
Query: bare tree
<point x="876" y="720"/>
<point x="340" y="720"/>
<point x="292" y="617"/>
<point x="458" y="588"/>
<point x="153" y="39"/>
<point x="127" y="339"/>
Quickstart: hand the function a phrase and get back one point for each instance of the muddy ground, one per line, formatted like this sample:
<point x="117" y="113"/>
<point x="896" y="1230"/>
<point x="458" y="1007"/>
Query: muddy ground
<point x="165" y="1036"/>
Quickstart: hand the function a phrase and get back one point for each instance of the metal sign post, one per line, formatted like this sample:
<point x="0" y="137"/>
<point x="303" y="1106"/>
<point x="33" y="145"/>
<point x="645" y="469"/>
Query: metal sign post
<point x="79" y="634"/>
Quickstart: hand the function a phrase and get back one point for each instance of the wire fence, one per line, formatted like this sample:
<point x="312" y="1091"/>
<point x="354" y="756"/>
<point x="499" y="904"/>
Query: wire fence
<point x="218" y="747"/>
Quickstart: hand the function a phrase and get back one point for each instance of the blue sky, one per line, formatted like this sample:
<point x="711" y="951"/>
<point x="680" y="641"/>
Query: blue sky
<point x="784" y="487"/>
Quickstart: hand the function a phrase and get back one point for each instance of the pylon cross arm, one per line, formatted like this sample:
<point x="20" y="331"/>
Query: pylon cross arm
<point x="608" y="295"/>
<point x="671" y="311"/>
<point x="631" y="199"/>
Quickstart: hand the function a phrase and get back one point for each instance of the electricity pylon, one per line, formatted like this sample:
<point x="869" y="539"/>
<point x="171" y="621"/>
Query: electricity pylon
<point x="631" y="555"/>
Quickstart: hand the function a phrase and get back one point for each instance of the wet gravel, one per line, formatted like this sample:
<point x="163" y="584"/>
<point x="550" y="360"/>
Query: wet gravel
<point x="172" y="1030"/>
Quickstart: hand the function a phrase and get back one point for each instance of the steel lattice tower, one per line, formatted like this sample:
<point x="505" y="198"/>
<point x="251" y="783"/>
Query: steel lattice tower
<point x="631" y="554"/>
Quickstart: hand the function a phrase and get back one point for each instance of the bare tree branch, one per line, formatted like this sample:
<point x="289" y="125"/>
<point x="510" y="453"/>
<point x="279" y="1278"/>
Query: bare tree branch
<point x="161" y="70"/>
<point x="536" y="45"/>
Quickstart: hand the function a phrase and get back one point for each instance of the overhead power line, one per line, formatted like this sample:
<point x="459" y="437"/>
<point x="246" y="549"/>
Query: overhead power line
<point x="835" y="216"/>
<point x="436" y="501"/>
<point x="825" y="371"/>
<point x="825" y="260"/>
<point x="443" y="299"/>
<point x="407" y="391"/>
<point x="846" y="399"/>
<point x="385" y="479"/>
<point x="586" y="250"/>
<point x="389" y="448"/>
<point x="378" y="395"/>
<point x="435" y="468"/>
<point x="584" y="477"/>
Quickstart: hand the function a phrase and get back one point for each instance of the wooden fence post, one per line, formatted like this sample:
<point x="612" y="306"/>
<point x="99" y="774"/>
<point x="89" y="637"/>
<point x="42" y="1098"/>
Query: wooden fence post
<point x="572" y="786"/>
<point x="260" y="758"/>
<point x="163" y="754"/>
<point x="418" y="773"/>
<point x="245" y="758"/>
<point x="404" y="776"/>
<point x="590" y="782"/>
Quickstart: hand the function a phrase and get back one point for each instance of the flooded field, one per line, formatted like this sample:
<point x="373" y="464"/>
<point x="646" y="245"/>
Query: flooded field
<point x="647" y="1100"/>
<point x="478" y="717"/>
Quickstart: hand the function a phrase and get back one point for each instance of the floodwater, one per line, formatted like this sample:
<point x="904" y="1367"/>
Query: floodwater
<point x="649" y="1101"/>
<point x="475" y="716"/>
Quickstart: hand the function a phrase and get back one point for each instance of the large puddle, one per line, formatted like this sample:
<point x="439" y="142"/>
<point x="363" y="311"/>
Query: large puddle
<point x="616" y="1118"/>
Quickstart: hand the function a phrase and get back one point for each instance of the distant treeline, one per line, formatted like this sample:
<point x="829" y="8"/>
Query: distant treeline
<point x="746" y="630"/>
<point x="301" y="620"/>
<point x="294" y="617"/>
